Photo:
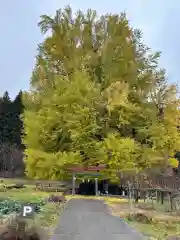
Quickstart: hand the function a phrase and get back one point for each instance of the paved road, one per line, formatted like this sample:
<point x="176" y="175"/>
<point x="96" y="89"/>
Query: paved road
<point x="89" y="220"/>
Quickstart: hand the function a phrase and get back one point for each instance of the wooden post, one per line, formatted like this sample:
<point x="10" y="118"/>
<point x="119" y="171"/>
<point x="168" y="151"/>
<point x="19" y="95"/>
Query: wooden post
<point x="170" y="201"/>
<point x="130" y="198"/>
<point x="73" y="183"/>
<point x="136" y="195"/>
<point x="162" y="197"/>
<point x="157" y="196"/>
<point x="96" y="186"/>
<point x="152" y="198"/>
<point x="144" y="195"/>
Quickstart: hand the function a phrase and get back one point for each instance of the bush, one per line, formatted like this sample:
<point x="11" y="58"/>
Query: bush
<point x="10" y="206"/>
<point x="57" y="199"/>
<point x="19" y="230"/>
<point x="18" y="186"/>
<point x="140" y="217"/>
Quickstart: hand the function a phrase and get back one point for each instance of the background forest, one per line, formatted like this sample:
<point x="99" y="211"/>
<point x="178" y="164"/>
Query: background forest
<point x="11" y="128"/>
<point x="97" y="96"/>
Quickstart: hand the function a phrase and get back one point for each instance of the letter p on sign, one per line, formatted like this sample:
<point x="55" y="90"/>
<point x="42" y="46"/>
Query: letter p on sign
<point x="27" y="211"/>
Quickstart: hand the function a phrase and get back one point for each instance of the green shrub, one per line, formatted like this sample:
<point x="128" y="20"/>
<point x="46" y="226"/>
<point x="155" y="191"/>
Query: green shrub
<point x="10" y="206"/>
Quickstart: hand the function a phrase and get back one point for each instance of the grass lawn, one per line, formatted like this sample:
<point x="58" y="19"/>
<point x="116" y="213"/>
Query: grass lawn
<point x="50" y="212"/>
<point x="24" y="194"/>
<point x="157" y="230"/>
<point x="161" y="224"/>
<point x="48" y="217"/>
<point x="104" y="198"/>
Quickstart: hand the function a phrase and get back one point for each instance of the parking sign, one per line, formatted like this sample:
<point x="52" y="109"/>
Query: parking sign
<point x="27" y="210"/>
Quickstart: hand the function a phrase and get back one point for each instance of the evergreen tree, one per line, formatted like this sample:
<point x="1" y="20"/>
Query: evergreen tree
<point x="10" y="119"/>
<point x="10" y="133"/>
<point x="6" y="119"/>
<point x="17" y="109"/>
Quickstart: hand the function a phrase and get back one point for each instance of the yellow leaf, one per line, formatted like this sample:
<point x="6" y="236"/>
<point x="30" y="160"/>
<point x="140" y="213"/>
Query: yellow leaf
<point x="173" y="162"/>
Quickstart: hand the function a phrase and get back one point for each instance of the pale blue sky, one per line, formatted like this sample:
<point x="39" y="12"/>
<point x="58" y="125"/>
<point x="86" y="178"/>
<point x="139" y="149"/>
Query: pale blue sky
<point x="159" y="21"/>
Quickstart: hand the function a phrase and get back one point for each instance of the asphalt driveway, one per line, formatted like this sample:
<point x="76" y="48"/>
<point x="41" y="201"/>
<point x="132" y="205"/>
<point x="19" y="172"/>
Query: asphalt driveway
<point x="85" y="219"/>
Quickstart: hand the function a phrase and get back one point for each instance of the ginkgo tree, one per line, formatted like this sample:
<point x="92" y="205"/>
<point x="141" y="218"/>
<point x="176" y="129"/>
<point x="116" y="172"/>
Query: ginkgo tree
<point x="97" y="96"/>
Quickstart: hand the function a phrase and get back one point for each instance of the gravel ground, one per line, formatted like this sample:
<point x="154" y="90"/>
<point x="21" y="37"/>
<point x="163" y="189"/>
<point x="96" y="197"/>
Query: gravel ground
<point x="85" y="219"/>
